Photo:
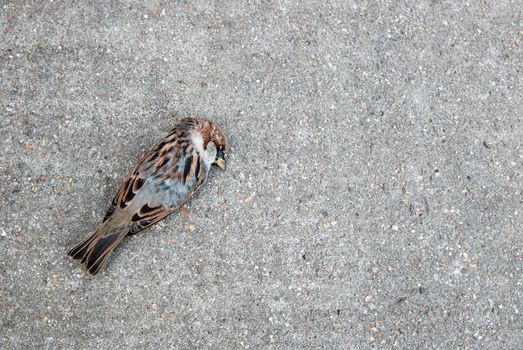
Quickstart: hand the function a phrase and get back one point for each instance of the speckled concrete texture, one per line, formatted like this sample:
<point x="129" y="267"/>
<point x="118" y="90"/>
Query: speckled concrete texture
<point x="374" y="190"/>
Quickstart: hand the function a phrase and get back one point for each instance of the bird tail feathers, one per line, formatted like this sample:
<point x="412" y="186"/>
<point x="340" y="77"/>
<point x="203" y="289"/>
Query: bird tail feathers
<point x="96" y="249"/>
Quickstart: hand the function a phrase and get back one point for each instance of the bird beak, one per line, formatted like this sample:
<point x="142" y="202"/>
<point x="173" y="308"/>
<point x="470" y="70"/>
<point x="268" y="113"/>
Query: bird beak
<point x="220" y="162"/>
<point x="220" y="159"/>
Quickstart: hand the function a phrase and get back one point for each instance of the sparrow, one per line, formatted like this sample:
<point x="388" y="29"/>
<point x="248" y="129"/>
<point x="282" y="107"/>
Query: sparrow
<point x="164" y="179"/>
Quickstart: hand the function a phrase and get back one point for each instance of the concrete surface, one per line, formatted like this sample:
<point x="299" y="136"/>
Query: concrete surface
<point x="373" y="197"/>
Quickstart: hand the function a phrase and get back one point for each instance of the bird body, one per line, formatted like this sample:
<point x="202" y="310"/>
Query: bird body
<point x="164" y="178"/>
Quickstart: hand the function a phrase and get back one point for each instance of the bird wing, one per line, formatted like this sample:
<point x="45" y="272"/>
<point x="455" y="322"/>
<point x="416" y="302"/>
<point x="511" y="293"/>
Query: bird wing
<point x="163" y="180"/>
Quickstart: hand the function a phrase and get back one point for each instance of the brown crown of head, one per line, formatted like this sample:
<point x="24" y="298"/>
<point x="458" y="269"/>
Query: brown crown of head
<point x="210" y="132"/>
<point x="213" y="133"/>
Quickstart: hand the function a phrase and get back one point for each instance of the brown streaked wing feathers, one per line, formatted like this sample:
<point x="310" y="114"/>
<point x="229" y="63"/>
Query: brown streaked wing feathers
<point x="126" y="193"/>
<point x="148" y="216"/>
<point x="165" y="152"/>
<point x="111" y="209"/>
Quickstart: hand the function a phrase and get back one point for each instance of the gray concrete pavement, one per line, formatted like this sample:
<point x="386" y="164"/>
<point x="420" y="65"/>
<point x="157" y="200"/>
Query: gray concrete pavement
<point x="373" y="196"/>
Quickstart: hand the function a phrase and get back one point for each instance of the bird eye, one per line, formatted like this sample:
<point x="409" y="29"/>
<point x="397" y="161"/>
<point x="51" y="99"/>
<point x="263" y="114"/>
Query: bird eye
<point x="220" y="154"/>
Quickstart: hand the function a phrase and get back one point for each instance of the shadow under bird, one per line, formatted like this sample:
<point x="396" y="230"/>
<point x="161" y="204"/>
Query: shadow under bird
<point x="164" y="178"/>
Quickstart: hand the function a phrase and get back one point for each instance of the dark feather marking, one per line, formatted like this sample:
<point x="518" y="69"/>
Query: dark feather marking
<point x="146" y="209"/>
<point x="164" y="162"/>
<point x="129" y="195"/>
<point x="134" y="229"/>
<point x="187" y="169"/>
<point x="160" y="146"/>
<point x="94" y="268"/>
<point x="143" y="212"/>
<point x="137" y="227"/>
<point x="138" y="184"/>
<point x="153" y="157"/>
<point x="197" y="170"/>
<point x="111" y="209"/>
<point x="123" y="193"/>
<point x="166" y="150"/>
